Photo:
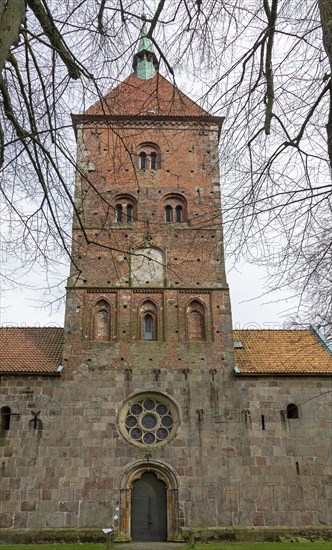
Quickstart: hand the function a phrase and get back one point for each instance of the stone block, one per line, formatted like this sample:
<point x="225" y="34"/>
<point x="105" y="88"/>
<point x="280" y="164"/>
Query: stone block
<point x="6" y="520"/>
<point x="28" y="506"/>
<point x="20" y="520"/>
<point x="36" y="520"/>
<point x="55" y="520"/>
<point x="95" y="514"/>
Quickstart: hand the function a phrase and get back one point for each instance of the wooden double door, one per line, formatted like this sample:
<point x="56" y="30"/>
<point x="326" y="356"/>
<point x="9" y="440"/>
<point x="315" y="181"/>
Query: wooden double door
<point x="148" y="509"/>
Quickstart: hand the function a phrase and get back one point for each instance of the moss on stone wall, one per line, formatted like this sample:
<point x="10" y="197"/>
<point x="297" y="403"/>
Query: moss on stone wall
<point x="200" y="535"/>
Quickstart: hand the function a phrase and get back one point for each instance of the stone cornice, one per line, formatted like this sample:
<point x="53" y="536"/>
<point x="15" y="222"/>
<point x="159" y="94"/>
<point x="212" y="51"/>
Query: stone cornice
<point x="147" y="289"/>
<point x="125" y="121"/>
<point x="99" y="290"/>
<point x="138" y="119"/>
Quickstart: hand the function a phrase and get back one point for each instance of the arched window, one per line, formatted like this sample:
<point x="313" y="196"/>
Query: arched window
<point x="142" y="160"/>
<point x="195" y="321"/>
<point x="153" y="160"/>
<point x="118" y="210"/>
<point x="5" y="418"/>
<point x="179" y="213"/>
<point x="292" y="411"/>
<point x="148" y="156"/>
<point x="175" y="208"/>
<point x="130" y="213"/>
<point x="168" y="213"/>
<point x="149" y="320"/>
<point x="102" y="321"/>
<point x="148" y="327"/>
<point x="125" y="209"/>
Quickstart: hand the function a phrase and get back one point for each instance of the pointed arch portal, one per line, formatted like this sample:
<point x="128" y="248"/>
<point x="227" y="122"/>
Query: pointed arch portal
<point x="149" y="502"/>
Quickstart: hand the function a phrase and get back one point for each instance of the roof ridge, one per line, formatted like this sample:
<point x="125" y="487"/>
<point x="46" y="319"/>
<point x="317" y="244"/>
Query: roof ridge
<point x="272" y="329"/>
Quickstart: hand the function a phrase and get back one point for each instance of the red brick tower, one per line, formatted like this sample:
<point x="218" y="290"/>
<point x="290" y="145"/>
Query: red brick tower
<point x="148" y="312"/>
<point x="147" y="425"/>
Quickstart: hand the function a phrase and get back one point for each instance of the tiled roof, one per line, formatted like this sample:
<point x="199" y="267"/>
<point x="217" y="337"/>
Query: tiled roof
<point x="281" y="352"/>
<point x="263" y="352"/>
<point x="30" y="350"/>
<point x="135" y="96"/>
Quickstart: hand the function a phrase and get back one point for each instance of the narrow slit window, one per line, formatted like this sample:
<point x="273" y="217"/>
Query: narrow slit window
<point x="179" y="213"/>
<point x="168" y="213"/>
<point x="148" y="327"/>
<point x="118" y="210"/>
<point x="142" y="160"/>
<point x="5" y="418"/>
<point x="263" y="422"/>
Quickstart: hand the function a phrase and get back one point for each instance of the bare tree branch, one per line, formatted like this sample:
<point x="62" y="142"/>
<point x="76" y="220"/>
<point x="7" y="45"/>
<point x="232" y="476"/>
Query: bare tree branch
<point x="54" y="36"/>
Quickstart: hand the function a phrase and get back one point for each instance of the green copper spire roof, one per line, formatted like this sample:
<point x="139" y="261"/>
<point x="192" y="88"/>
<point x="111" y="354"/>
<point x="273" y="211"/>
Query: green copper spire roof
<point x="145" y="63"/>
<point x="144" y="42"/>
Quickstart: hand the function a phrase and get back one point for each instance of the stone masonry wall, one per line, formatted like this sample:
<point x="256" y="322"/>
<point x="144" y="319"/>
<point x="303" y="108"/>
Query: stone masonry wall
<point x="229" y="470"/>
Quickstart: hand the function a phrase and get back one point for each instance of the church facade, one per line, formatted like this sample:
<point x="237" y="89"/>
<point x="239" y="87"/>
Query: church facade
<point x="148" y="413"/>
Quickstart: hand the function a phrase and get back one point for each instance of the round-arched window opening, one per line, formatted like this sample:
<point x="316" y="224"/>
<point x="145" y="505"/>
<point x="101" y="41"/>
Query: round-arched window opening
<point x="125" y="209"/>
<point x="153" y="160"/>
<point x="130" y="213"/>
<point x="148" y="156"/>
<point x="118" y="210"/>
<point x="142" y="160"/>
<point x="179" y="213"/>
<point x="149" y="419"/>
<point x="175" y="207"/>
<point x="168" y="213"/>
<point x="292" y="411"/>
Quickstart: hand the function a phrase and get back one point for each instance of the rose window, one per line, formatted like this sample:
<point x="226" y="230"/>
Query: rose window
<point x="149" y="419"/>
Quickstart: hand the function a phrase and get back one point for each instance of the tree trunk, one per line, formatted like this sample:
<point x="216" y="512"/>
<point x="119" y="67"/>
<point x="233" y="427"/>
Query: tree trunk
<point x="12" y="15"/>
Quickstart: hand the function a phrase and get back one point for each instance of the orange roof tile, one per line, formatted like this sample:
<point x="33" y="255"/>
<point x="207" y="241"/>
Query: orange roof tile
<point x="135" y="96"/>
<point x="281" y="352"/>
<point x="293" y="352"/>
<point x="30" y="350"/>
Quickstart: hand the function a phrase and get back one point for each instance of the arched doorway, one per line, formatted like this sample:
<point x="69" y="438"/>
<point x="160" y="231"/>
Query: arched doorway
<point x="148" y="509"/>
<point x="149" y="493"/>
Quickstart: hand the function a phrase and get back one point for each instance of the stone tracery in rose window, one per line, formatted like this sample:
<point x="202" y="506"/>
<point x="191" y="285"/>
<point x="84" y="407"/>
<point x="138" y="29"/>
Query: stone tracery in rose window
<point x="149" y="419"/>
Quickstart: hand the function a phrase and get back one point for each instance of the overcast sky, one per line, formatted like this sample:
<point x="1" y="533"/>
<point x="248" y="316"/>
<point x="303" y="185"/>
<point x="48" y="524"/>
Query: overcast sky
<point x="251" y="307"/>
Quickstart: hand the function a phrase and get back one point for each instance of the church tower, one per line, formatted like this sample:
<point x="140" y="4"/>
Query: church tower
<point x="148" y="320"/>
<point x="136" y="416"/>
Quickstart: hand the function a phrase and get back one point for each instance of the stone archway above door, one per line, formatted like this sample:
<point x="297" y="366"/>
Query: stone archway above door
<point x="163" y="472"/>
